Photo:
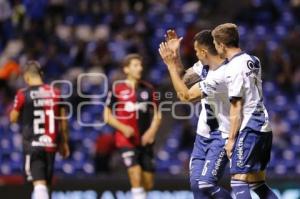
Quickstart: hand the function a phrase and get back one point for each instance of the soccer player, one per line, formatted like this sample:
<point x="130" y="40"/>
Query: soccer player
<point x="208" y="158"/>
<point x="43" y="128"/>
<point x="250" y="138"/>
<point x="132" y="111"/>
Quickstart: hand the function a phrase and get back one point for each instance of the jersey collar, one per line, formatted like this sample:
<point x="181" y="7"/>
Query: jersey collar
<point x="236" y="55"/>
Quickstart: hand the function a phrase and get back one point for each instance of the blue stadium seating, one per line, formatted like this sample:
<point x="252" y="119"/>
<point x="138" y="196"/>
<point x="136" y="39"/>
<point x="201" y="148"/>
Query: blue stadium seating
<point x="171" y="157"/>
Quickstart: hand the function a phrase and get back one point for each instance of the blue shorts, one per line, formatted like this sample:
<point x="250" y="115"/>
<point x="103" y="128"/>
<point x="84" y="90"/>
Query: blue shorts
<point x="251" y="152"/>
<point x="208" y="159"/>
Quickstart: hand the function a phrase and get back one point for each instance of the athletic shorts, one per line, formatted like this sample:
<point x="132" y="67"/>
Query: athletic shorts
<point x="143" y="156"/>
<point x="39" y="165"/>
<point x="208" y="159"/>
<point x="251" y="152"/>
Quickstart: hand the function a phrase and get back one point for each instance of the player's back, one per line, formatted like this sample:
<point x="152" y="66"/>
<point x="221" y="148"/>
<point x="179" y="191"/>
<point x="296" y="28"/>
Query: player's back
<point x="244" y="81"/>
<point x="215" y="106"/>
<point x="39" y="108"/>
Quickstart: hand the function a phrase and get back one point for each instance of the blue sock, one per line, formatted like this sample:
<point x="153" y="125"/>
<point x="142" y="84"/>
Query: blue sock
<point x="218" y="192"/>
<point x="263" y="191"/>
<point x="197" y="191"/>
<point x="240" y="189"/>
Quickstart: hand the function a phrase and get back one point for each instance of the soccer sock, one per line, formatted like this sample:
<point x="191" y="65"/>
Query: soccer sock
<point x="213" y="191"/>
<point x="197" y="191"/>
<point x="240" y="189"/>
<point x="218" y="192"/>
<point x="138" y="193"/>
<point x="263" y="191"/>
<point x="40" y="192"/>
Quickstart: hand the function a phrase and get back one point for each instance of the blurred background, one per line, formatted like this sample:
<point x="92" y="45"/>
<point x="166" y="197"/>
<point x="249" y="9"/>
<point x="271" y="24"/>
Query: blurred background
<point x="72" y="37"/>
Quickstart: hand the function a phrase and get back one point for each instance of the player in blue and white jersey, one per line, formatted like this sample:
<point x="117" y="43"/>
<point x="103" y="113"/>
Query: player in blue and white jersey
<point x="208" y="158"/>
<point x="250" y="138"/>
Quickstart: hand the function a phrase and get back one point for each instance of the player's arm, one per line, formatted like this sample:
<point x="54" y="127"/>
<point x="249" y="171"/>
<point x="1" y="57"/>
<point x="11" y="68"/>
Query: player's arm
<point x="235" y="117"/>
<point x="235" y="91"/>
<point x="173" y="41"/>
<point x="110" y="119"/>
<point x="18" y="106"/>
<point x="190" y="77"/>
<point x="64" y="141"/>
<point x="184" y="93"/>
<point x="182" y="90"/>
<point x="150" y="134"/>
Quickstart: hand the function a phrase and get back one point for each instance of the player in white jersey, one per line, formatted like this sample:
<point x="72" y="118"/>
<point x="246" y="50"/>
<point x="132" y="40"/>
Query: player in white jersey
<point x="250" y="138"/>
<point x="208" y="158"/>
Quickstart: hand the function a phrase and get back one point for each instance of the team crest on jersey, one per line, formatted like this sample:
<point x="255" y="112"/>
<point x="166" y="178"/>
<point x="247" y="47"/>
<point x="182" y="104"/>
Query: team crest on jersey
<point x="253" y="67"/>
<point x="144" y="95"/>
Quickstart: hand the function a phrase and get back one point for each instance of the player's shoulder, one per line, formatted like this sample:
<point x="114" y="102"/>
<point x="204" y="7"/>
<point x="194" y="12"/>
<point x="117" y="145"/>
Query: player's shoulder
<point x="236" y="63"/>
<point x="49" y="88"/>
<point x="21" y="91"/>
<point x="146" y="85"/>
<point x="243" y="58"/>
<point x="219" y="72"/>
<point x="238" y="59"/>
<point x="119" y="85"/>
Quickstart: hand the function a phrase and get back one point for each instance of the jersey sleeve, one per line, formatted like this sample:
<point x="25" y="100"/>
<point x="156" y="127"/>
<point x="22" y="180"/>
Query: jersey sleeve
<point x="235" y="83"/>
<point x="19" y="101"/>
<point x="197" y="68"/>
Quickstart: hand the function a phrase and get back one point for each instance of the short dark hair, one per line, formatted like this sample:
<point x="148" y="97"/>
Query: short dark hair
<point x="127" y="59"/>
<point x="227" y="34"/>
<point x="33" y="67"/>
<point x="205" y="38"/>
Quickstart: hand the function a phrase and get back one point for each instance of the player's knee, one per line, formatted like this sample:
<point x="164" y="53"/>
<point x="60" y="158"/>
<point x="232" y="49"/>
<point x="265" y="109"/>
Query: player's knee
<point x="135" y="176"/>
<point x="39" y="182"/>
<point x="250" y="177"/>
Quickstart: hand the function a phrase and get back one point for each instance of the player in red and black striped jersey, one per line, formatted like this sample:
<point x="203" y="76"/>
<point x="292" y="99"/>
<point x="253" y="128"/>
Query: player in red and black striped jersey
<point x="44" y="130"/>
<point x="132" y="111"/>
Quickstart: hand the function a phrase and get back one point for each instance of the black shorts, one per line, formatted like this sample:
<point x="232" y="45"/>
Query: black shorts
<point x="143" y="156"/>
<point x="39" y="165"/>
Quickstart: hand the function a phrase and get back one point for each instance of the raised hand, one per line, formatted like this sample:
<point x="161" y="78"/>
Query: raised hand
<point x="171" y="34"/>
<point x="173" y="40"/>
<point x="167" y="55"/>
<point x="148" y="138"/>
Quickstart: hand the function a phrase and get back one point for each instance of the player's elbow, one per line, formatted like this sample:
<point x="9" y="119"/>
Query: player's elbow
<point x="189" y="97"/>
<point x="182" y="98"/>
